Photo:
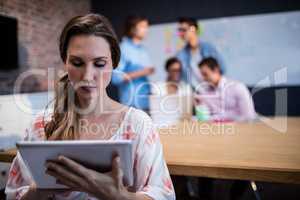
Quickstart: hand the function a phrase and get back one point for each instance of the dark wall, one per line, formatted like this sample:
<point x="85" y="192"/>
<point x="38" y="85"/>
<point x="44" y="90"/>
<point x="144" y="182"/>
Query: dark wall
<point x="265" y="100"/>
<point x="162" y="11"/>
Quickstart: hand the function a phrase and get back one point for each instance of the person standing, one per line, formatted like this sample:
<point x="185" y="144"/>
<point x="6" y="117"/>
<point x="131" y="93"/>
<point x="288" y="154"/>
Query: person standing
<point x="131" y="76"/>
<point x="194" y="51"/>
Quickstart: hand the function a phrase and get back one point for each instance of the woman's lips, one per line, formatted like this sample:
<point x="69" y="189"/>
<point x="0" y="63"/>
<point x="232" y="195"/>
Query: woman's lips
<point x="88" y="89"/>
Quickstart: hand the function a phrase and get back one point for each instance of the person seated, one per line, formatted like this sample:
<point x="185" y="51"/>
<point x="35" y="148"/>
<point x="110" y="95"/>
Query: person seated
<point x="224" y="98"/>
<point x="173" y="83"/>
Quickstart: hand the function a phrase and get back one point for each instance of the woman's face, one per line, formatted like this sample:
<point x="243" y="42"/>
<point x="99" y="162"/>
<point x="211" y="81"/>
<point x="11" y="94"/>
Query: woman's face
<point x="141" y="29"/>
<point x="89" y="65"/>
<point x="174" y="72"/>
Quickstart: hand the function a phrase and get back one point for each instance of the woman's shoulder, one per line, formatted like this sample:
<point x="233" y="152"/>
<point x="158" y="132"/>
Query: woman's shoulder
<point x="138" y="116"/>
<point x="140" y="128"/>
<point x="36" y="130"/>
<point x="138" y="121"/>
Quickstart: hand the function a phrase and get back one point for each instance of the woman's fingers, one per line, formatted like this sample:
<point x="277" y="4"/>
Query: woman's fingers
<point x="74" y="166"/>
<point x="117" y="171"/>
<point x="61" y="173"/>
<point x="61" y="180"/>
<point x="76" y="176"/>
<point x="53" y="191"/>
<point x="70" y="184"/>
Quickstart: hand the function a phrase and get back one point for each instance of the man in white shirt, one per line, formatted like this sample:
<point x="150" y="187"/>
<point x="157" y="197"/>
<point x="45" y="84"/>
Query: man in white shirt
<point x="226" y="99"/>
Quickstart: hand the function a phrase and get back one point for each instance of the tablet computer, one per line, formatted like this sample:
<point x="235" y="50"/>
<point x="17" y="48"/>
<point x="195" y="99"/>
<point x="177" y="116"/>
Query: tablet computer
<point x="93" y="154"/>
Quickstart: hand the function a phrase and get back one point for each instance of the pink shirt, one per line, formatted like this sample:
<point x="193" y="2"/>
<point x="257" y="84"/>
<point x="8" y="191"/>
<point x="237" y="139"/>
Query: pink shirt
<point x="151" y="175"/>
<point x="230" y="100"/>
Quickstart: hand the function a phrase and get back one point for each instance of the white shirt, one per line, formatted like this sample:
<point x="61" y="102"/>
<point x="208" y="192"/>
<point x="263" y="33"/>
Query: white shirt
<point x="195" y="60"/>
<point x="230" y="100"/>
<point x="161" y="88"/>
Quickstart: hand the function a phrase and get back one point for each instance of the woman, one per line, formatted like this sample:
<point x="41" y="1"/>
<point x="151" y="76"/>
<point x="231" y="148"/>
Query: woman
<point x="131" y="76"/>
<point x="90" y="51"/>
<point x="173" y="84"/>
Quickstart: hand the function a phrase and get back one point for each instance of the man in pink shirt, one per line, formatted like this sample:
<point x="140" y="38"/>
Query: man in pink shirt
<point x="225" y="99"/>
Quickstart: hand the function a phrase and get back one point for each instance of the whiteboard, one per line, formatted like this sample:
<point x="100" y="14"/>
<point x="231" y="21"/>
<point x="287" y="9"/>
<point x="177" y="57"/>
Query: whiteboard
<point x="258" y="49"/>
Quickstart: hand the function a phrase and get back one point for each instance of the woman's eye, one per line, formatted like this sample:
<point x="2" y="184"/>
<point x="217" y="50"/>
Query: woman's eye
<point x="77" y="63"/>
<point x="100" y="64"/>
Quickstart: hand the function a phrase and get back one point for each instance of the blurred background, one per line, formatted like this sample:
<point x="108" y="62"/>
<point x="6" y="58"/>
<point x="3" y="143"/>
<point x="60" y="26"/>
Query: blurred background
<point x="256" y="39"/>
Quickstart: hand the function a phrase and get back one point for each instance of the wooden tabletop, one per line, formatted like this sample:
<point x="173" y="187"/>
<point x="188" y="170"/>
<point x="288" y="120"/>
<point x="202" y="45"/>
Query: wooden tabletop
<point x="8" y="155"/>
<point x="259" y="151"/>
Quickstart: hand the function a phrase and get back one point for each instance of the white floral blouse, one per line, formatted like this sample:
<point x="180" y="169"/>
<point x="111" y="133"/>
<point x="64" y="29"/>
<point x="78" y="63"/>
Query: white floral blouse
<point x="151" y="175"/>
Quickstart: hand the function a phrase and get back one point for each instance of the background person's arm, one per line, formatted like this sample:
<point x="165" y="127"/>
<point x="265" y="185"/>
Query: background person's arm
<point x="123" y="74"/>
<point x="146" y="68"/>
<point x="120" y="76"/>
<point x="140" y="73"/>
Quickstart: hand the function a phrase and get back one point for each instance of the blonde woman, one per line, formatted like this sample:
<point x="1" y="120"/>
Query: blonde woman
<point x="90" y="51"/>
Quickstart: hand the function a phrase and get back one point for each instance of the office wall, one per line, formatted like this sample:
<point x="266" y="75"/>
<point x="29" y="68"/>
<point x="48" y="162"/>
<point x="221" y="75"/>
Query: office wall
<point x="39" y="25"/>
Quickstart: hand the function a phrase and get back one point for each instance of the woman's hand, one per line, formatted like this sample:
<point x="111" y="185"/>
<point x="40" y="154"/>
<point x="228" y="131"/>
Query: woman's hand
<point x="79" y="178"/>
<point x="42" y="194"/>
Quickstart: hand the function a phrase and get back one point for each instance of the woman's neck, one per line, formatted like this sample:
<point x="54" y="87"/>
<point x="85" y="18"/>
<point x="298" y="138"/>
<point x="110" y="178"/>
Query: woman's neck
<point x="100" y="105"/>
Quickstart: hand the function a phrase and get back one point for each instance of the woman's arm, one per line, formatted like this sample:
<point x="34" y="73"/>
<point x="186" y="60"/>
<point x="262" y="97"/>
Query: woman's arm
<point x="152" y="175"/>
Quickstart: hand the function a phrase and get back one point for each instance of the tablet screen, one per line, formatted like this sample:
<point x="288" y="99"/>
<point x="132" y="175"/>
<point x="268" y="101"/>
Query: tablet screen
<point x="96" y="155"/>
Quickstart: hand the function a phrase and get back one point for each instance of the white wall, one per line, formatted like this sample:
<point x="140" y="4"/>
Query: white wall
<point x="254" y="47"/>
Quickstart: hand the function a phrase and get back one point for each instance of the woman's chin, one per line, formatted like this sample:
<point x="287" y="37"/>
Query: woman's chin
<point x="88" y="97"/>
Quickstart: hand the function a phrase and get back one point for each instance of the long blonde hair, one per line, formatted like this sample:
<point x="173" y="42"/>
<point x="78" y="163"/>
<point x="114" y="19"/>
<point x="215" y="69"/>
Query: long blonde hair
<point x="64" y="120"/>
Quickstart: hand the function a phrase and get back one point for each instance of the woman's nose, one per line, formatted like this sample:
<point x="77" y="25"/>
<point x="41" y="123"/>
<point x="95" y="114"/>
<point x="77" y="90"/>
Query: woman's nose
<point x="89" y="73"/>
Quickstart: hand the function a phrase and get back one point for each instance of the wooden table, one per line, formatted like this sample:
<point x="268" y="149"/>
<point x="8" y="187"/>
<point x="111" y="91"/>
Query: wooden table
<point x="8" y="156"/>
<point x="246" y="151"/>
